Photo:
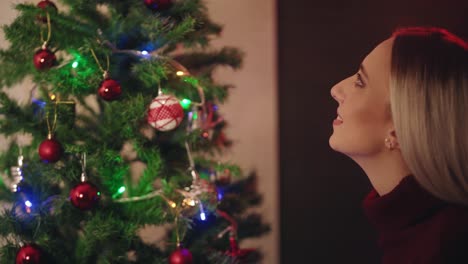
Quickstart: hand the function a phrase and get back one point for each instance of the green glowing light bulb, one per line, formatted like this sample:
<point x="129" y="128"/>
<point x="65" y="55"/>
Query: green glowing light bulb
<point x="185" y="103"/>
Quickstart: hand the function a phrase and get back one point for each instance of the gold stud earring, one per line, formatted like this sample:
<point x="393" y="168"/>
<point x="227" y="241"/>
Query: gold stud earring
<point x="389" y="144"/>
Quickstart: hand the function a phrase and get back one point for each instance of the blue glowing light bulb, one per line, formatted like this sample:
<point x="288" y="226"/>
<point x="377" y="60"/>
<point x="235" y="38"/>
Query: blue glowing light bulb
<point x="202" y="216"/>
<point x="28" y="204"/>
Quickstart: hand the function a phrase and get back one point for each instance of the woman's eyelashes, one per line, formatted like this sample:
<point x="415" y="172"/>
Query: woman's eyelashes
<point x="359" y="82"/>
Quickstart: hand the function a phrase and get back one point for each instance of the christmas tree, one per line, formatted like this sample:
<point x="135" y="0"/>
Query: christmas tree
<point x="124" y="131"/>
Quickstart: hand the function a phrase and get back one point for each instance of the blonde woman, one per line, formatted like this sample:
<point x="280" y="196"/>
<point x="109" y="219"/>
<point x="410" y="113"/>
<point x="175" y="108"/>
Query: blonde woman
<point x="403" y="118"/>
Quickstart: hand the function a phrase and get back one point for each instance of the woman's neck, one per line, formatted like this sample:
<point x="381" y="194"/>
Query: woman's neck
<point x="385" y="170"/>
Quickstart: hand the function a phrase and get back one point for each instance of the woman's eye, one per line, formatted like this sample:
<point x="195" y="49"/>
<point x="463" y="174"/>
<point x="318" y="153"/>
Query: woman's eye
<point x="359" y="82"/>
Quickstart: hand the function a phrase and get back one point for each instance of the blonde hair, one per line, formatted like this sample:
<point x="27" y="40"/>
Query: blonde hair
<point x="429" y="104"/>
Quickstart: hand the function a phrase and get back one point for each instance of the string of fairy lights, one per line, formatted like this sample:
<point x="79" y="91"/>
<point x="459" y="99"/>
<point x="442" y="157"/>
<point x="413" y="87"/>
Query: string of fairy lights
<point x="191" y="194"/>
<point x="86" y="195"/>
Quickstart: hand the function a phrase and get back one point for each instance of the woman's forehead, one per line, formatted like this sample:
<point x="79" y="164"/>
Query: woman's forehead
<point x="381" y="53"/>
<point x="378" y="62"/>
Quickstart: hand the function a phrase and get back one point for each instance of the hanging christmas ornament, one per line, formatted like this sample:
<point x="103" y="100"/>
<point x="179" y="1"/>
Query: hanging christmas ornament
<point x="44" y="59"/>
<point x="84" y="195"/>
<point x="29" y="254"/>
<point x="109" y="89"/>
<point x="181" y="256"/>
<point x="50" y="150"/>
<point x="46" y="5"/>
<point x="165" y="112"/>
<point x="158" y="5"/>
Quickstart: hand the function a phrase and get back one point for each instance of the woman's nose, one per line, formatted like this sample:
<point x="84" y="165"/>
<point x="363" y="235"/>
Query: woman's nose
<point x="337" y="92"/>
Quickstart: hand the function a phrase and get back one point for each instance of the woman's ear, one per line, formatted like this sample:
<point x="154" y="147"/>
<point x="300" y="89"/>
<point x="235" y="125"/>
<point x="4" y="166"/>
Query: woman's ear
<point x="391" y="141"/>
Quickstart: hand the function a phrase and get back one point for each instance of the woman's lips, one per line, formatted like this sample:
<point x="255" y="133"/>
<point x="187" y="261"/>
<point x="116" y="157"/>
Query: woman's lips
<point x="338" y="121"/>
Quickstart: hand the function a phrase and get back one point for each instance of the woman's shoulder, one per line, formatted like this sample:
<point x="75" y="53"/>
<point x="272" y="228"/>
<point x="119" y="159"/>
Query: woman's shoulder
<point x="452" y="225"/>
<point x="454" y="217"/>
<point x="450" y="222"/>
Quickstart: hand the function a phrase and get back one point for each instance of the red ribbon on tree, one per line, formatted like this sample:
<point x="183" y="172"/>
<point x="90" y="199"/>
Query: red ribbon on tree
<point x="234" y="250"/>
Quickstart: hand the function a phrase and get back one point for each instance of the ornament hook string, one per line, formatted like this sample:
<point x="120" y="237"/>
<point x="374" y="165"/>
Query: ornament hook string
<point x="83" y="167"/>
<point x="177" y="230"/>
<point x="105" y="72"/>
<point x="191" y="162"/>
<point x="51" y="128"/>
<point x="160" y="92"/>
<point x="36" y="231"/>
<point x="49" y="32"/>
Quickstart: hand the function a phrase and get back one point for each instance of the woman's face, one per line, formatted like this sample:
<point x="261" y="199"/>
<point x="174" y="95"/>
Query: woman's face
<point x="363" y="115"/>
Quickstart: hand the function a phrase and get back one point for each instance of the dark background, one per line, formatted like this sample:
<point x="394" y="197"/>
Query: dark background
<point x="320" y="43"/>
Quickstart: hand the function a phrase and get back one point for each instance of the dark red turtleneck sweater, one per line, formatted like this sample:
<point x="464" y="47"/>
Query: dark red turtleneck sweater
<point x="416" y="227"/>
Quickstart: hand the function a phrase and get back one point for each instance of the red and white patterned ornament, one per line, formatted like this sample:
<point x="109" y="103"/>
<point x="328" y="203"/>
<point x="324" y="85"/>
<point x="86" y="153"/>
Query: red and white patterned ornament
<point x="165" y="113"/>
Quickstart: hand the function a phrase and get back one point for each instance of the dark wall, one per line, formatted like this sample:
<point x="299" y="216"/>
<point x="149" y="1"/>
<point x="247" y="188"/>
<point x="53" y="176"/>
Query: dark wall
<point x="320" y="43"/>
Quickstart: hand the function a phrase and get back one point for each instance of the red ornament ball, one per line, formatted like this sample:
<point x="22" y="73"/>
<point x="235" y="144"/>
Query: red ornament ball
<point x="158" y="5"/>
<point x="84" y="196"/>
<point x="50" y="150"/>
<point x="44" y="59"/>
<point x="28" y="254"/>
<point x="165" y="113"/>
<point x="45" y="4"/>
<point x="181" y="256"/>
<point x="109" y="90"/>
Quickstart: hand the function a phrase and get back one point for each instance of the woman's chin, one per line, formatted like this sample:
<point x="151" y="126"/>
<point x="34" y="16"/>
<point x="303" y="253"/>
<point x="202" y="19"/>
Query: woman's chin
<point x="332" y="144"/>
<point x="336" y="146"/>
